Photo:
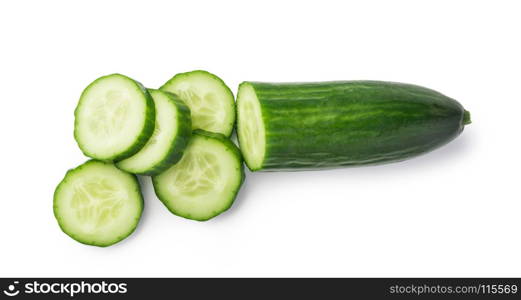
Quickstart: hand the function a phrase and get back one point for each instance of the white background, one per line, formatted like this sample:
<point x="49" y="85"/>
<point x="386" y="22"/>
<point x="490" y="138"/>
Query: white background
<point x="453" y="212"/>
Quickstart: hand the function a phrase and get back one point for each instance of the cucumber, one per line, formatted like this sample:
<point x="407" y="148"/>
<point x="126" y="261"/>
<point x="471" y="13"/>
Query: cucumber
<point x="98" y="204"/>
<point x="205" y="182"/>
<point x="114" y="118"/>
<point x="210" y="100"/>
<point x="299" y="126"/>
<point x="165" y="147"/>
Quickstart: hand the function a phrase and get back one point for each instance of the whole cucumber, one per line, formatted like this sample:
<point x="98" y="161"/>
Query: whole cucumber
<point x="299" y="126"/>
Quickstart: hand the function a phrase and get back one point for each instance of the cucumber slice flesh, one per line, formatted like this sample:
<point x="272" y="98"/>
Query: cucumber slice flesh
<point x="211" y="102"/>
<point x="166" y="145"/>
<point x="98" y="204"/>
<point x="205" y="181"/>
<point x="251" y="132"/>
<point x="114" y="118"/>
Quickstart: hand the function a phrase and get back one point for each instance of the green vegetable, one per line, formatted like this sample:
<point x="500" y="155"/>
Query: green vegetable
<point x="172" y="131"/>
<point x="210" y="100"/>
<point x="205" y="182"/>
<point x="114" y="118"/>
<point x="297" y="126"/>
<point x="98" y="204"/>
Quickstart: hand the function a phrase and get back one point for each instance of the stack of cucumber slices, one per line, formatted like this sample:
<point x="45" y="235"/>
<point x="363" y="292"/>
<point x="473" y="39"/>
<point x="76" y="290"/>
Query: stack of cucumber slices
<point x="178" y="134"/>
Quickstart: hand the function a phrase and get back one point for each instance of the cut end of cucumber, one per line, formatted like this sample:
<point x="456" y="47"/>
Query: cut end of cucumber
<point x="466" y="118"/>
<point x="250" y="128"/>
<point x="211" y="102"/>
<point x="98" y="204"/>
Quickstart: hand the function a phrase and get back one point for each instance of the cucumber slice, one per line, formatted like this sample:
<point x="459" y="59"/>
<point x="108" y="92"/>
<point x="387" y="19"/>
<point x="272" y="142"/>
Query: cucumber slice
<point x="114" y="118"/>
<point x="210" y="100"/>
<point x="98" y="204"/>
<point x="205" y="182"/>
<point x="172" y="131"/>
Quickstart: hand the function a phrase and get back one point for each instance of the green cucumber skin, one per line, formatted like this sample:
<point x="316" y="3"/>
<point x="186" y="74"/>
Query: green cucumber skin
<point x="349" y="123"/>
<point x="146" y="132"/>
<point x="77" y="238"/>
<point x="230" y="146"/>
<point x="184" y="129"/>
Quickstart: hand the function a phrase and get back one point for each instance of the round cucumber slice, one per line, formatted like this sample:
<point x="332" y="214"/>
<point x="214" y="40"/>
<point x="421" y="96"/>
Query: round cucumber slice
<point x="98" y="204"/>
<point x="114" y="118"/>
<point x="205" y="182"/>
<point x="210" y="100"/>
<point x="165" y="147"/>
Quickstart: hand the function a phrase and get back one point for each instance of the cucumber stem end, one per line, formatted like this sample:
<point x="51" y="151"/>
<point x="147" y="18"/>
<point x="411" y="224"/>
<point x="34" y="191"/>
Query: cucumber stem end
<point x="466" y="117"/>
